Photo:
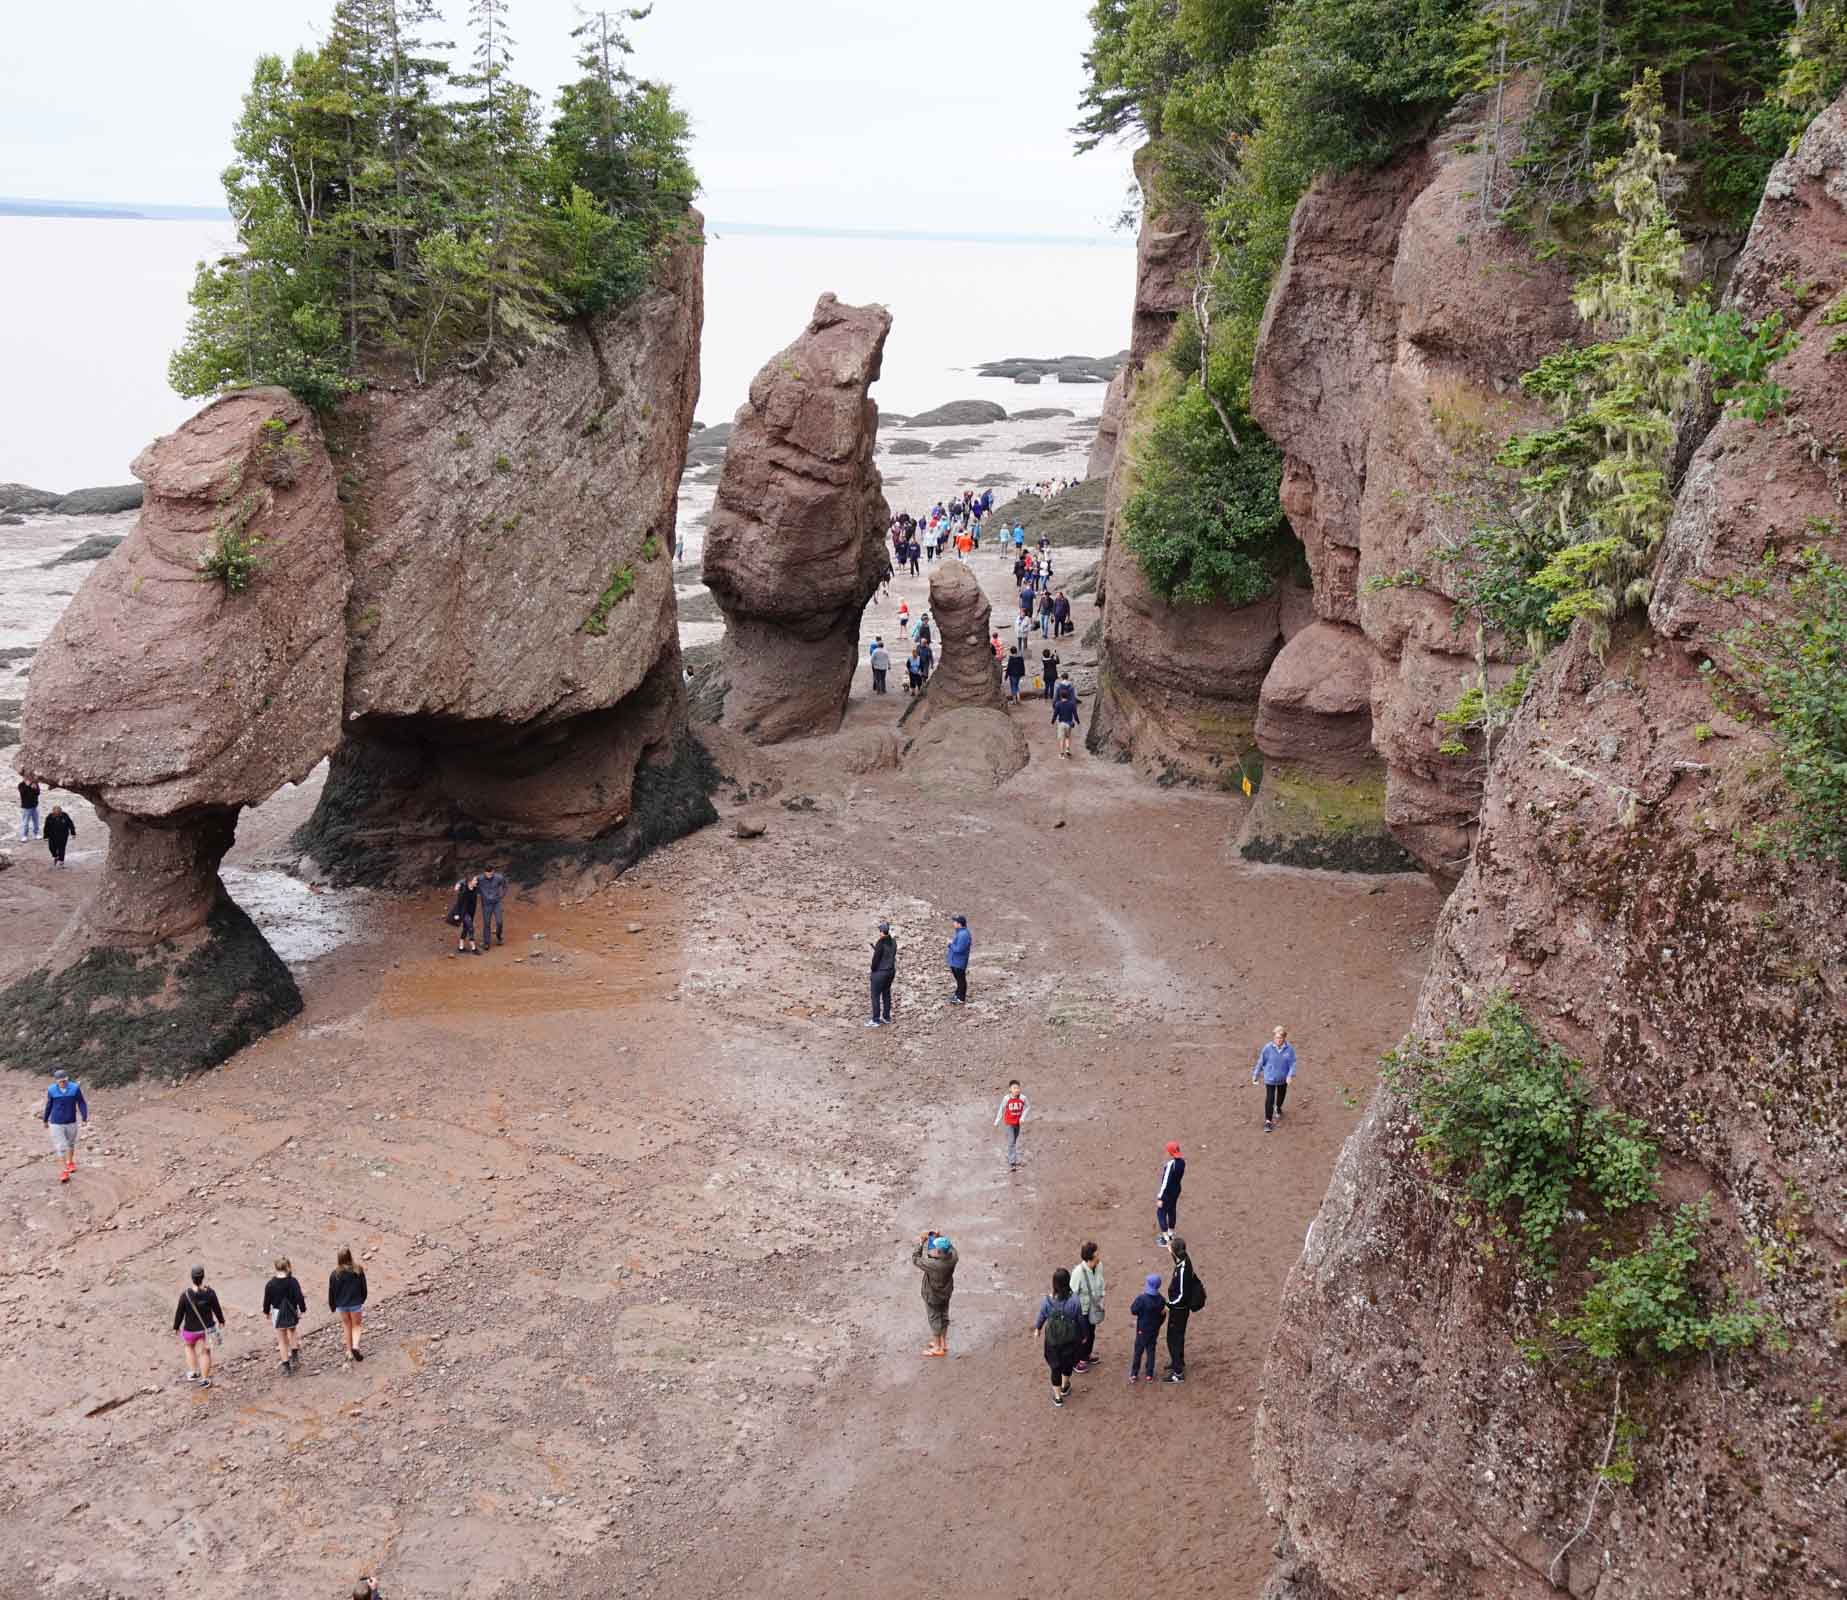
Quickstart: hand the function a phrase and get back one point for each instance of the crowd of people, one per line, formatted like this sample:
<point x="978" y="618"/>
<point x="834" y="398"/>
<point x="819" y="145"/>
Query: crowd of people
<point x="1071" y="1312"/>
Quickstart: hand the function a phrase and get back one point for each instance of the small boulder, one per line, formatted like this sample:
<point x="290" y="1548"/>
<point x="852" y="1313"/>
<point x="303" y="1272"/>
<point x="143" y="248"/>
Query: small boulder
<point x="960" y="414"/>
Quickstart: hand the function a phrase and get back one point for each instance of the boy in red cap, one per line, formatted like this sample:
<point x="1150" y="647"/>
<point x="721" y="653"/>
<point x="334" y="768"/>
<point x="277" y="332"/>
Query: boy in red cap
<point x="1167" y="1197"/>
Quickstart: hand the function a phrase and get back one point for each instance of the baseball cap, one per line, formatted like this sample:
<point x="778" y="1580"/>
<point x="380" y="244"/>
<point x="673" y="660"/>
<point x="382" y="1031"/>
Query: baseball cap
<point x="959" y="918"/>
<point x="1173" y="1149"/>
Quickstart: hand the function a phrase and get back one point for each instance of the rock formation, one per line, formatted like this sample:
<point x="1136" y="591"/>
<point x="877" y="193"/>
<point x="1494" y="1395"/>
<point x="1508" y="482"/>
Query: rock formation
<point x="963" y="735"/>
<point x="515" y="659"/>
<point x="796" y="542"/>
<point x="171" y="701"/>
<point x="1387" y="370"/>
<point x="1613" y="894"/>
<point x="1322" y="793"/>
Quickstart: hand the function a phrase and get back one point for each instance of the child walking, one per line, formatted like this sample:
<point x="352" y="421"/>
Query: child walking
<point x="1149" y="1309"/>
<point x="1014" y="1110"/>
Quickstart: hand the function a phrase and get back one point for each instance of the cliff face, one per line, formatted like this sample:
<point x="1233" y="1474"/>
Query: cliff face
<point x="515" y="654"/>
<point x="1406" y="1446"/>
<point x="1388" y="370"/>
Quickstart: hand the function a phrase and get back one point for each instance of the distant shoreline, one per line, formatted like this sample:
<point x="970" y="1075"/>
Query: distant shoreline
<point x="135" y="211"/>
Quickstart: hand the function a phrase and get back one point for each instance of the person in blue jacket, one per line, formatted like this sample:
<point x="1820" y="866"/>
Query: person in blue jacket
<point x="64" y="1104"/>
<point x="960" y="943"/>
<point x="1276" y="1068"/>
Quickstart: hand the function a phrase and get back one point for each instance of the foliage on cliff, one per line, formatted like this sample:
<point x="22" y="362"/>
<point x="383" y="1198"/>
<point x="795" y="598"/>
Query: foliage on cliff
<point x="396" y="206"/>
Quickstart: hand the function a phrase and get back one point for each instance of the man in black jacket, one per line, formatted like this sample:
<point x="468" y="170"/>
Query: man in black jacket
<point x="884" y="970"/>
<point x="28" y="810"/>
<point x="59" y="831"/>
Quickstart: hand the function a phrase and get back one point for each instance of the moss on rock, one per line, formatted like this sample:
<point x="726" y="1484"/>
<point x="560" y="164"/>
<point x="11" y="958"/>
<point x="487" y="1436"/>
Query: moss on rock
<point x="1335" y="824"/>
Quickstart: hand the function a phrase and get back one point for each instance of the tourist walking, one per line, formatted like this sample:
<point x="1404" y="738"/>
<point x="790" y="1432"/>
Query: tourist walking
<point x="935" y="1258"/>
<point x="28" y="810"/>
<point x="64" y="1104"/>
<point x="1149" y="1309"/>
<point x="1016" y="672"/>
<point x="492" y="886"/>
<point x="59" y="831"/>
<point x="1167" y="1196"/>
<point x="1064" y="714"/>
<point x="196" y="1319"/>
<point x="884" y="971"/>
<point x="1276" y="1068"/>
<point x="1013" y="1111"/>
<point x="1022" y="631"/>
<point x="1061" y="615"/>
<point x="462" y="914"/>
<point x="346" y="1296"/>
<point x="1185" y="1295"/>
<point x="1087" y="1283"/>
<point x="913" y="670"/>
<point x="285" y="1305"/>
<point x="881" y="664"/>
<point x="1058" y="1319"/>
<point x="960" y="943"/>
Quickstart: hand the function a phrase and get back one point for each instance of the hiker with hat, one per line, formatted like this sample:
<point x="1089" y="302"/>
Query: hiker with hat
<point x="960" y="943"/>
<point x="884" y="971"/>
<point x="196" y="1316"/>
<point x="64" y="1104"/>
<point x="1149" y="1309"/>
<point x="935" y="1258"/>
<point x="1167" y="1196"/>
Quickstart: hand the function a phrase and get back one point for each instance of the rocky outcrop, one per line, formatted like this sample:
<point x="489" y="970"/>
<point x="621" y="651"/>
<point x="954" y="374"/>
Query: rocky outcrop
<point x="959" y="414"/>
<point x="1387" y="370"/>
<point x="21" y="497"/>
<point x="1109" y="428"/>
<point x="1615" y="896"/>
<point x="171" y="701"/>
<point x="795" y="546"/>
<point x="1321" y="799"/>
<point x="965" y="673"/>
<point x="961" y="735"/>
<point x="514" y="654"/>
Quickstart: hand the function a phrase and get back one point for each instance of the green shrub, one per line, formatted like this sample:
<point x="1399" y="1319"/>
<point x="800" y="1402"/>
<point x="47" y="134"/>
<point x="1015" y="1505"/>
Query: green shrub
<point x="231" y="558"/>
<point x="1205" y="521"/>
<point x="1645" y="1305"/>
<point x="1796" y="668"/>
<point x="1507" y="1120"/>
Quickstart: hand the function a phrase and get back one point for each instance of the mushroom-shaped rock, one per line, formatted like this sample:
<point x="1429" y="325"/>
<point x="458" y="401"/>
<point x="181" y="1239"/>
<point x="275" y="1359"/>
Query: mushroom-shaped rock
<point x="966" y="674"/>
<point x="966" y="737"/>
<point x="198" y="669"/>
<point x="795" y="545"/>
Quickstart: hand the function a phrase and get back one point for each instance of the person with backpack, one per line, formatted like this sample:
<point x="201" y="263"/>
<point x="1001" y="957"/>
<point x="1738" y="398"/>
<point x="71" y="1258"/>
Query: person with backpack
<point x="1015" y="673"/>
<point x="884" y="973"/>
<point x="1013" y="1111"/>
<point x="1167" y="1196"/>
<point x="59" y="831"/>
<point x="346" y="1297"/>
<point x="960" y="943"/>
<point x="1087" y="1283"/>
<point x="1276" y="1067"/>
<point x="1058" y="1319"/>
<point x="1064" y="713"/>
<point x="1149" y="1309"/>
<point x="64" y="1104"/>
<point x="1185" y="1295"/>
<point x="935" y="1257"/>
<point x="196" y="1318"/>
<point x="285" y="1305"/>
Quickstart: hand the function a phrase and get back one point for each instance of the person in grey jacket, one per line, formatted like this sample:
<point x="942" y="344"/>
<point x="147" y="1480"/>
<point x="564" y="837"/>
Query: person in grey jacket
<point x="1276" y="1068"/>
<point x="935" y="1258"/>
<point x="881" y="664"/>
<point x="492" y="887"/>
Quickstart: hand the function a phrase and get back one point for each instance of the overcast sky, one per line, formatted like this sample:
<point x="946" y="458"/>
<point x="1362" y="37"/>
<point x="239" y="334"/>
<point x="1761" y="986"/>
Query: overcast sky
<point x="948" y="114"/>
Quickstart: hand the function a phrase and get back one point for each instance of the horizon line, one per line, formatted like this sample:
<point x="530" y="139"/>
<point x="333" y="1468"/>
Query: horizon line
<point x="150" y="211"/>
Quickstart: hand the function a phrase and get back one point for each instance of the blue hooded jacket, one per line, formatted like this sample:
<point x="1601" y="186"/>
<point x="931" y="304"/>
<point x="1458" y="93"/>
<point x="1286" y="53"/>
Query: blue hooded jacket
<point x="64" y="1104"/>
<point x="1275" y="1066"/>
<point x="960" y="943"/>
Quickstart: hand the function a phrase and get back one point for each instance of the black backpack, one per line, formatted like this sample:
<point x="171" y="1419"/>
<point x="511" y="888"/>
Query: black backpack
<point x="1059" y="1328"/>
<point x="1195" y="1289"/>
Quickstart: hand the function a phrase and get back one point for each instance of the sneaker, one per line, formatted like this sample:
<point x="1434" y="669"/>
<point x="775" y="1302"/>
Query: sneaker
<point x="1057" y="1398"/>
<point x="1176" y="1377"/>
<point x="1133" y="1378"/>
<point x="192" y="1378"/>
<point x="1066" y="1391"/>
<point x="205" y="1383"/>
<point x="358" y="1355"/>
<point x="875" y="1023"/>
<point x="1082" y="1366"/>
<point x="1268" y="1127"/>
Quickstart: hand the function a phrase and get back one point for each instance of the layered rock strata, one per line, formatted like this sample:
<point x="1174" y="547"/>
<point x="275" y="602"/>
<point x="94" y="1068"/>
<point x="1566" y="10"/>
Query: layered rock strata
<point x="795" y="545"/>
<point x="171" y="699"/>
<point x="1615" y="896"/>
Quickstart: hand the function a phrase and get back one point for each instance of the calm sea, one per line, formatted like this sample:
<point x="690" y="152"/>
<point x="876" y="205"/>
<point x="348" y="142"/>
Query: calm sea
<point x="89" y="310"/>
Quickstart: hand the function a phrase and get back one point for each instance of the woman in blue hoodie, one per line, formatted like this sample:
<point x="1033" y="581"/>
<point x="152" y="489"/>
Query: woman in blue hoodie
<point x="960" y="943"/>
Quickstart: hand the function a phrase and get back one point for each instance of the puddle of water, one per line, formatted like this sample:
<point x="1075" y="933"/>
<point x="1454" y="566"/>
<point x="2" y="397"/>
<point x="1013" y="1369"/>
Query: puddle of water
<point x="300" y="923"/>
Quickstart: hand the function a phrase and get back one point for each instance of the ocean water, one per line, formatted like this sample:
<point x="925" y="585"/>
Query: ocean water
<point x="91" y="309"/>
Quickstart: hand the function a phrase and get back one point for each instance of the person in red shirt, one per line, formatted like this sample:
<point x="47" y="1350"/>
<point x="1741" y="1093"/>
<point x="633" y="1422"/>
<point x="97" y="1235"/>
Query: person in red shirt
<point x="1013" y="1111"/>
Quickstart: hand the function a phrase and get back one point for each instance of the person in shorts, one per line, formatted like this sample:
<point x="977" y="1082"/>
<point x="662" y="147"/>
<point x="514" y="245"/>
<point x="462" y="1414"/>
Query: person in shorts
<point x="198" y="1319"/>
<point x="64" y="1104"/>
<point x="285" y="1305"/>
<point x="346" y="1297"/>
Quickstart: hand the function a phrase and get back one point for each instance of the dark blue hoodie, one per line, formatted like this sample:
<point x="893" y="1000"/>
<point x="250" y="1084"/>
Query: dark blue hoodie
<point x="1149" y="1312"/>
<point x="64" y="1104"/>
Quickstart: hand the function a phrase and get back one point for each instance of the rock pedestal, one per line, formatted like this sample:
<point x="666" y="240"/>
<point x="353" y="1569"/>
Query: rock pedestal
<point x="796" y="542"/>
<point x="963" y="734"/>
